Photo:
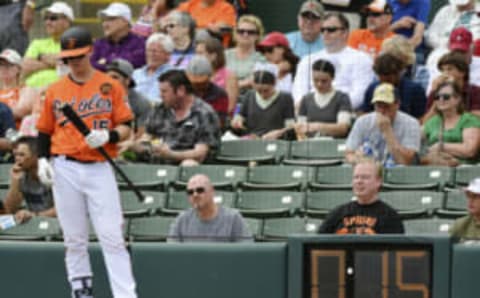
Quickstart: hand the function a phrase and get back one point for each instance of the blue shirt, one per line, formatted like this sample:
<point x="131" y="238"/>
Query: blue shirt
<point x="147" y="84"/>
<point x="300" y="47"/>
<point x="6" y="121"/>
<point x="412" y="97"/>
<point x="417" y="9"/>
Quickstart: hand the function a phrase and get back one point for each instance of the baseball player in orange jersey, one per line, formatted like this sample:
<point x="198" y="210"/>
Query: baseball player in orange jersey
<point x="83" y="182"/>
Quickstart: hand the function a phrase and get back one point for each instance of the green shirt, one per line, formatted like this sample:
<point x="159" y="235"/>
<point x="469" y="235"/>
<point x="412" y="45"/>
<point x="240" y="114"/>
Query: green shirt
<point x="466" y="228"/>
<point x="45" y="76"/>
<point x="453" y="135"/>
<point x="242" y="68"/>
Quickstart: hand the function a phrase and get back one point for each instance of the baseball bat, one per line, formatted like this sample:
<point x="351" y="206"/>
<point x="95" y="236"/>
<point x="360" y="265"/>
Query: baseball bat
<point x="84" y="130"/>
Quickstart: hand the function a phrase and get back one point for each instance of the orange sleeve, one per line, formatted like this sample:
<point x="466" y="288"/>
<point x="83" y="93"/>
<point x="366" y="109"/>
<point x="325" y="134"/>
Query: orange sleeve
<point x="46" y="121"/>
<point x="228" y="15"/>
<point x="184" y="6"/>
<point x="354" y="39"/>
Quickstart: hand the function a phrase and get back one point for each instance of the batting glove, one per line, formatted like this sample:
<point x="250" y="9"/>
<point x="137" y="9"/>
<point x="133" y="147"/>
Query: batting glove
<point x="97" y="138"/>
<point x="45" y="171"/>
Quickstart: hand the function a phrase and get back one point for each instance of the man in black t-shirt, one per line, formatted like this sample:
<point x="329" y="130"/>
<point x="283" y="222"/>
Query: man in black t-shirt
<point x="367" y="214"/>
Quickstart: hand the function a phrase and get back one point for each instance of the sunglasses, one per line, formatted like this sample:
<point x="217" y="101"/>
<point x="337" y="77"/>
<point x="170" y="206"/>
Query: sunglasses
<point x="330" y="29"/>
<point x="266" y="49"/>
<point x="66" y="60"/>
<point x="198" y="190"/>
<point x="374" y="14"/>
<point x="310" y="16"/>
<point x="442" y="96"/>
<point x="247" y="32"/>
<point x="51" y="18"/>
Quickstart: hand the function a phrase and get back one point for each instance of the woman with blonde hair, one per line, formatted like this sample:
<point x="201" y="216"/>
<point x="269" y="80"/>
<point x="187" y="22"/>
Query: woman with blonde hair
<point x="242" y="58"/>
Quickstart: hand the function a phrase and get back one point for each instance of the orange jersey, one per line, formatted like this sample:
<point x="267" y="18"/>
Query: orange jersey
<point x="220" y="12"/>
<point x="101" y="103"/>
<point x="365" y="41"/>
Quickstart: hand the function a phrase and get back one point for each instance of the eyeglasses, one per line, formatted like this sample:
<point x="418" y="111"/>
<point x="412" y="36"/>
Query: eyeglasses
<point x="330" y="29"/>
<point x="374" y="14"/>
<point x="310" y="16"/>
<point x="247" y="32"/>
<point x="51" y="18"/>
<point x="198" y="190"/>
<point x="68" y="59"/>
<point x="442" y="96"/>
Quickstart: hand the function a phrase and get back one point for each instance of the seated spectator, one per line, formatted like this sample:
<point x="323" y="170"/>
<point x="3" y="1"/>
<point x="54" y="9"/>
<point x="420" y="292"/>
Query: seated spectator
<point x="453" y="67"/>
<point x="158" y="50"/>
<point x="183" y="129"/>
<point x="410" y="18"/>
<point x="468" y="227"/>
<point x="181" y="28"/>
<point x="25" y="186"/>
<point x="277" y="51"/>
<point x="456" y="13"/>
<point x="368" y="214"/>
<point x="150" y="17"/>
<point x="369" y="40"/>
<point x="7" y="123"/>
<point x="328" y="112"/>
<point x="121" y="70"/>
<point x="199" y="72"/>
<point x="452" y="130"/>
<point x="307" y="40"/>
<point x="118" y="41"/>
<point x="387" y="135"/>
<point x="213" y="15"/>
<point x="242" y="58"/>
<point x="212" y="48"/>
<point x="354" y="68"/>
<point x="13" y="92"/>
<point x="206" y="221"/>
<point x="264" y="110"/>
<point x="390" y="69"/>
<point x="401" y="48"/>
<point x="42" y="64"/>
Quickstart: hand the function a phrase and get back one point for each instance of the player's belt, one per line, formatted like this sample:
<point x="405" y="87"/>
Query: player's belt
<point x="76" y="160"/>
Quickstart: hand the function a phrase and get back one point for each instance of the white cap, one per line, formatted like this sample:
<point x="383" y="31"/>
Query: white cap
<point x="61" y="8"/>
<point x="117" y="9"/>
<point x="459" y="2"/>
<point x="474" y="186"/>
<point x="11" y="56"/>
<point x="268" y="67"/>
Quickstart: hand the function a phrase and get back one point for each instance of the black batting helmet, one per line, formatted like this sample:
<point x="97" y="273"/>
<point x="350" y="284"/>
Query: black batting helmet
<point x="75" y="41"/>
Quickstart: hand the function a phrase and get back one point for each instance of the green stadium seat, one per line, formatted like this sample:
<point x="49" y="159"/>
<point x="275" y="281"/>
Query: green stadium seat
<point x="455" y="205"/>
<point x="414" y="203"/>
<point x="316" y="152"/>
<point x="278" y="177"/>
<point x="269" y="203"/>
<point x="37" y="228"/>
<point x="431" y="226"/>
<point x="131" y="206"/>
<point x="320" y="203"/>
<point x="221" y="176"/>
<point x="147" y="176"/>
<point x="275" y="229"/>
<point x="339" y="177"/>
<point x="255" y="225"/>
<point x="154" y="228"/>
<point x="246" y="151"/>
<point x="5" y="174"/>
<point x="417" y="177"/>
<point x="464" y="174"/>
<point x="178" y="201"/>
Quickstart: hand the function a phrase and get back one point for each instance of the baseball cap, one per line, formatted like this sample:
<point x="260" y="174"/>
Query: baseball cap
<point x="61" y="8"/>
<point x="460" y="39"/>
<point x="123" y="67"/>
<point x="199" y="69"/>
<point x="474" y="186"/>
<point x="11" y="56"/>
<point x="386" y="93"/>
<point x="274" y="39"/>
<point x="459" y="2"/>
<point x="75" y="41"/>
<point x="117" y="9"/>
<point x="313" y="7"/>
<point x="380" y="6"/>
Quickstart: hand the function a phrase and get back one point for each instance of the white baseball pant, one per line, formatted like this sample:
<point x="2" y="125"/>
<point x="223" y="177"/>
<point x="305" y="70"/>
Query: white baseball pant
<point x="81" y="190"/>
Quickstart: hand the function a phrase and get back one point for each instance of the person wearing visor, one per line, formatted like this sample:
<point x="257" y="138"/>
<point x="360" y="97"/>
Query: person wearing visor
<point x="118" y="40"/>
<point x="83" y="182"/>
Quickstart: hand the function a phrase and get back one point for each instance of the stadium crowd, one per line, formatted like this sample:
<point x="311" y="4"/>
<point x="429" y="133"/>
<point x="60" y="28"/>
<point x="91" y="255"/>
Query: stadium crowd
<point x="401" y="90"/>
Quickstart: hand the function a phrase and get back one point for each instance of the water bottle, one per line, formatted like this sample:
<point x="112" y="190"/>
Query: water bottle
<point x="389" y="162"/>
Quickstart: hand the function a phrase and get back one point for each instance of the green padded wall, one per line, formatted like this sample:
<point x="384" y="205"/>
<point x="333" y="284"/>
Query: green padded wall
<point x="465" y="270"/>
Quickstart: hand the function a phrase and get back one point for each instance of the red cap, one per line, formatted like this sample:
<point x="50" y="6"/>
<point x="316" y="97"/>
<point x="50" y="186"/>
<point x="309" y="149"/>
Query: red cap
<point x="476" y="48"/>
<point x="460" y="39"/>
<point x="274" y="39"/>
